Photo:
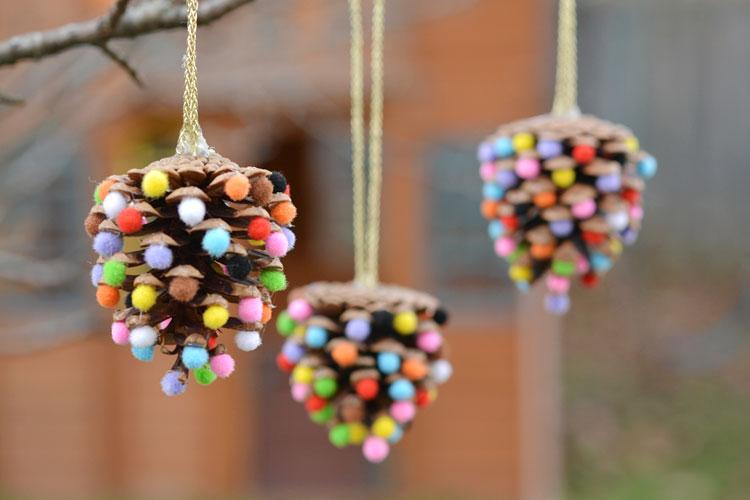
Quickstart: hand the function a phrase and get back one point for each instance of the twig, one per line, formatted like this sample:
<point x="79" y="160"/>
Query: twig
<point x="6" y="100"/>
<point x="110" y="21"/>
<point x="123" y="63"/>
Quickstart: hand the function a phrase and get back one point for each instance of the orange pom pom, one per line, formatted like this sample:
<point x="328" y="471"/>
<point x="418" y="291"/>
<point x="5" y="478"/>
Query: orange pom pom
<point x="542" y="252"/>
<point x="545" y="200"/>
<point x="107" y="296"/>
<point x="414" y="369"/>
<point x="284" y="213"/>
<point x="104" y="188"/>
<point x="237" y="187"/>
<point x="345" y="354"/>
<point x="489" y="209"/>
<point x="267" y="313"/>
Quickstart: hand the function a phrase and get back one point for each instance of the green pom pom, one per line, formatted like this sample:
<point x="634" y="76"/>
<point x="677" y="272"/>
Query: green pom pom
<point x="97" y="198"/>
<point x="273" y="279"/>
<point x="325" y="387"/>
<point x="520" y="250"/>
<point x="113" y="273"/>
<point x="204" y="375"/>
<point x="323" y="415"/>
<point x="563" y="268"/>
<point x="339" y="435"/>
<point x="285" y="324"/>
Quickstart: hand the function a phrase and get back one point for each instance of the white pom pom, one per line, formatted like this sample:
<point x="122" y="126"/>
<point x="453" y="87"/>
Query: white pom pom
<point x="142" y="336"/>
<point x="441" y="370"/>
<point x="618" y="220"/>
<point x="248" y="341"/>
<point x="192" y="211"/>
<point x="113" y="204"/>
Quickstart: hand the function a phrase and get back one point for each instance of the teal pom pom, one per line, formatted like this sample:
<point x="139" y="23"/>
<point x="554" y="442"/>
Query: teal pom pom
<point x="194" y="357"/>
<point x="143" y="353"/>
<point x="216" y="242"/>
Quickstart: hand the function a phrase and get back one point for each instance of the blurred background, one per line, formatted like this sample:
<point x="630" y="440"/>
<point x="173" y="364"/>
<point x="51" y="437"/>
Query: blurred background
<point x="640" y="393"/>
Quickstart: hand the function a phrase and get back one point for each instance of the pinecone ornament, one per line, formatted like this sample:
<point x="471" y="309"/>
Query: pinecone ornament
<point x="363" y="360"/>
<point x="189" y="249"/>
<point x="562" y="195"/>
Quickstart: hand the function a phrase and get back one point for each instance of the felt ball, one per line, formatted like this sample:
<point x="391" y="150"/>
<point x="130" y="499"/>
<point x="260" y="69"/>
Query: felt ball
<point x="325" y="387"/>
<point x="216" y="242"/>
<point x="279" y="182"/>
<point x="158" y="256"/>
<point x="502" y="147"/>
<point x="383" y="426"/>
<point x="441" y="370"/>
<point x="561" y="228"/>
<point x="204" y="375"/>
<point x="492" y="191"/>
<point x="487" y="171"/>
<point x="583" y="154"/>
<point x="375" y="449"/>
<point x="316" y="337"/>
<point x="367" y="389"/>
<point x="647" y="167"/>
<point x="114" y="272"/>
<point x="222" y="365"/>
<point x="528" y="167"/>
<point x="414" y="369"/>
<point x="273" y="279"/>
<point x="91" y="223"/>
<point x="590" y="280"/>
<point x="142" y="353"/>
<point x="155" y="184"/>
<point x="609" y="183"/>
<point x="510" y="222"/>
<point x="120" y="333"/>
<point x="506" y="178"/>
<point x="495" y="229"/>
<point x="250" y="309"/>
<point x="107" y="296"/>
<point x="357" y="329"/>
<point x="557" y="304"/>
<point x="237" y="187"/>
<point x="549" y="149"/>
<point x="130" y="220"/>
<point x="488" y="208"/>
<point x="339" y="435"/>
<point x="261" y="190"/>
<point x="401" y="390"/>
<point x="183" y="289"/>
<point x="398" y="433"/>
<point x="299" y="310"/>
<point x="285" y="324"/>
<point x="300" y="392"/>
<point x="171" y="383"/>
<point x="403" y="411"/>
<point x="405" y="322"/>
<point x="505" y="246"/>
<point x="102" y="190"/>
<point x="520" y="273"/>
<point x="284" y="213"/>
<point x="629" y="236"/>
<point x="259" y="228"/>
<point x="193" y="357"/>
<point x="143" y="336"/>
<point x="323" y="415"/>
<point x="345" y="354"/>
<point x="636" y="212"/>
<point x="430" y="341"/>
<point x="239" y="266"/>
<point x="423" y="398"/>
<point x="523" y="141"/>
<point x="564" y="177"/>
<point x="582" y="264"/>
<point x="618" y="221"/>
<point x="485" y="152"/>
<point x="303" y="374"/>
<point x="113" y="204"/>
<point x="563" y="268"/>
<point x="558" y="284"/>
<point x="291" y="238"/>
<point x="440" y="316"/>
<point x="191" y="211"/>
<point x="107" y="244"/>
<point x="583" y="209"/>
<point x="388" y="362"/>
<point x="600" y="262"/>
<point x="144" y="297"/>
<point x="277" y="245"/>
<point x="292" y="351"/>
<point x="382" y="322"/>
<point x="212" y="341"/>
<point x="357" y="432"/>
<point x="248" y="341"/>
<point x="267" y="314"/>
<point x="96" y="274"/>
<point x="315" y="403"/>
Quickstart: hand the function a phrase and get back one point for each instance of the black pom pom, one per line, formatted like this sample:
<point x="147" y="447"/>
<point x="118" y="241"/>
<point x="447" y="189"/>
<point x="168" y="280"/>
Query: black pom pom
<point x="279" y="182"/>
<point x="382" y="322"/>
<point x="440" y="317"/>
<point x="129" y="300"/>
<point x="239" y="267"/>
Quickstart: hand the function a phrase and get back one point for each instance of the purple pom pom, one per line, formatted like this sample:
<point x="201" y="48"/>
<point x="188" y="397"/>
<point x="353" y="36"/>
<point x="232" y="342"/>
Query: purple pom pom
<point x="158" y="256"/>
<point x="290" y="236"/>
<point x="96" y="274"/>
<point x="107" y="244"/>
<point x="171" y="384"/>
<point x="557" y="303"/>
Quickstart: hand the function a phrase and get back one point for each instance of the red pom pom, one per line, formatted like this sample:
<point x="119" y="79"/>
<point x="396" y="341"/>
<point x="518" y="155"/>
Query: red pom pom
<point x="583" y="154"/>
<point x="315" y="403"/>
<point x="212" y="341"/>
<point x="259" y="228"/>
<point x="594" y="238"/>
<point x="422" y="398"/>
<point x="510" y="222"/>
<point x="284" y="364"/>
<point x="590" y="280"/>
<point x="367" y="389"/>
<point x="631" y="196"/>
<point x="130" y="220"/>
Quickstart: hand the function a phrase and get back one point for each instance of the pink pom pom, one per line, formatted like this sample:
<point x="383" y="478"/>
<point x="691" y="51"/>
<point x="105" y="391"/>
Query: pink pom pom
<point x="300" y="310"/>
<point x="375" y="449"/>
<point x="120" y="333"/>
<point x="222" y="365"/>
<point x="429" y="341"/>
<point x="636" y="212"/>
<point x="403" y="411"/>
<point x="584" y="209"/>
<point x="487" y="171"/>
<point x="527" y="167"/>
<point x="504" y="246"/>
<point x="277" y="245"/>
<point x="582" y="265"/>
<point x="250" y="309"/>
<point x="300" y="392"/>
<point x="558" y="284"/>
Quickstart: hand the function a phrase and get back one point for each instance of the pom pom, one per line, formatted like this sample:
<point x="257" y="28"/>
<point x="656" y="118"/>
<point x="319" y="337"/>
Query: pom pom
<point x="403" y="411"/>
<point x="279" y="182"/>
<point x="113" y="273"/>
<point x="389" y="362"/>
<point x="430" y="341"/>
<point x="222" y="365"/>
<point x="401" y="390"/>
<point x="142" y="353"/>
<point x="584" y="154"/>
<point x="357" y="432"/>
<point x="405" y="322"/>
<point x="193" y="357"/>
<point x="107" y="296"/>
<point x="291" y="238"/>
<point x="259" y="228"/>
<point x="285" y="324"/>
<point x="143" y="336"/>
<point x="647" y="167"/>
<point x="292" y="351"/>
<point x="367" y="389"/>
<point x="398" y="433"/>
<point x="91" y="223"/>
<point x="113" y="204"/>
<point x="102" y="190"/>
<point x="144" y="297"/>
<point x="239" y="267"/>
<point x="96" y="274"/>
<point x="384" y="426"/>
<point x="303" y="374"/>
<point x="345" y="354"/>
<point x="382" y="322"/>
<point x="155" y="184"/>
<point x="441" y="370"/>
<point x="273" y="279"/>
<point x="261" y="190"/>
<point x="325" y="387"/>
<point x="204" y="375"/>
<point x="107" y="244"/>
<point x="183" y="289"/>
<point x="158" y="256"/>
<point x="300" y="310"/>
<point x="357" y="329"/>
<point x="130" y="220"/>
<point x="191" y="211"/>
<point x="322" y="416"/>
<point x="171" y="383"/>
<point x="284" y="213"/>
<point x="300" y="392"/>
<point x="120" y="333"/>
<point x="215" y="316"/>
<point x="250" y="309"/>
<point x="248" y="341"/>
<point x="216" y="242"/>
<point x="277" y="245"/>
<point x="316" y="337"/>
<point x="557" y="304"/>
<point x="237" y="187"/>
<point x="339" y="435"/>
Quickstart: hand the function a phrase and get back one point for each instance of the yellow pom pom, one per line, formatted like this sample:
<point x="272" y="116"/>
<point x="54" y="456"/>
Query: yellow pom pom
<point x="405" y="323"/>
<point x="215" y="316"/>
<point x="615" y="246"/>
<point x="632" y="144"/>
<point x="520" y="273"/>
<point x="523" y="141"/>
<point x="357" y="433"/>
<point x="155" y="184"/>
<point x="564" y="177"/>
<point x="303" y="374"/>
<point x="299" y="331"/>
<point x="144" y="297"/>
<point x="384" y="426"/>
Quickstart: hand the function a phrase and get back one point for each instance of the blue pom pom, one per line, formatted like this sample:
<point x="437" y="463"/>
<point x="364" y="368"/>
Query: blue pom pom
<point x="523" y="286"/>
<point x="171" y="385"/>
<point x="194" y="357"/>
<point x="388" y="362"/>
<point x="557" y="304"/>
<point x="357" y="329"/>
<point x="143" y="353"/>
<point x="96" y="274"/>
<point x="492" y="191"/>
<point x="485" y="153"/>
<point x="316" y="337"/>
<point x="647" y="167"/>
<point x="401" y="390"/>
<point x="600" y="262"/>
<point x="291" y="238"/>
<point x="107" y="244"/>
<point x="398" y="433"/>
<point x="495" y="229"/>
<point x="503" y="147"/>
<point x="158" y="256"/>
<point x="216" y="242"/>
<point x="293" y="351"/>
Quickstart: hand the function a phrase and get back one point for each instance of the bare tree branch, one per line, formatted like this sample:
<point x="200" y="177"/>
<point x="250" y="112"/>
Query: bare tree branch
<point x="123" y="63"/>
<point x="119" y="22"/>
<point x="7" y="100"/>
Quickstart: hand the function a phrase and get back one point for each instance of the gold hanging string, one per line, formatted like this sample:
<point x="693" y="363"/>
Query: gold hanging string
<point x="191" y="139"/>
<point x="358" y="138"/>
<point x="566" y="84"/>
